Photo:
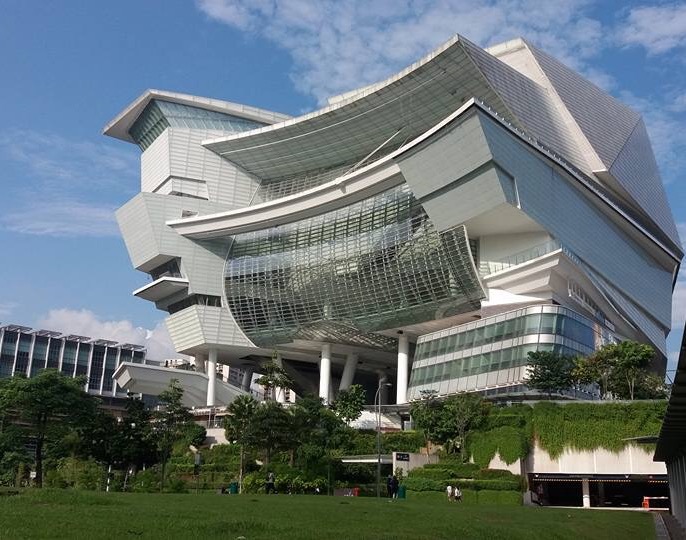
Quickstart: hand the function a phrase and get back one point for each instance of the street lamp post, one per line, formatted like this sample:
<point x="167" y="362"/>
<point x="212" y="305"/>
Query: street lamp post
<point x="377" y="404"/>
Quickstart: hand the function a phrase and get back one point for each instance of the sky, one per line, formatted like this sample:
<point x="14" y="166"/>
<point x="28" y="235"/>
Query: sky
<point x="69" y="67"/>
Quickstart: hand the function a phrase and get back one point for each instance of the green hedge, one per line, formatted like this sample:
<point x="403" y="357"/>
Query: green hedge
<point x="427" y="484"/>
<point x="443" y="470"/>
<point x="496" y="474"/>
<point x="456" y="468"/>
<point x="291" y="482"/>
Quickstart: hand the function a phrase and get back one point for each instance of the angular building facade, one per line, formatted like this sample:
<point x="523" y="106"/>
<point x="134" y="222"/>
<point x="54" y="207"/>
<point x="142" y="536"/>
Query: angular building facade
<point x="430" y="229"/>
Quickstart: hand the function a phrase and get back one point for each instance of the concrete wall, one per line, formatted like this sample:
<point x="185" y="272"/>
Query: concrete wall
<point x="631" y="460"/>
<point x="416" y="461"/>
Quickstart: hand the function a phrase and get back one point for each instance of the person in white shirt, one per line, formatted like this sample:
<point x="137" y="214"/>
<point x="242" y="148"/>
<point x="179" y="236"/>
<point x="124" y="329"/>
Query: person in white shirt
<point x="449" y="492"/>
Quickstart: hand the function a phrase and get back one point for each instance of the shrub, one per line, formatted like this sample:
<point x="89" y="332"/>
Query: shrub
<point x="428" y="484"/>
<point x="76" y="473"/>
<point x="402" y="441"/>
<point x="175" y="484"/>
<point x="457" y="468"/>
<point x="147" y="481"/>
<point x="495" y="474"/>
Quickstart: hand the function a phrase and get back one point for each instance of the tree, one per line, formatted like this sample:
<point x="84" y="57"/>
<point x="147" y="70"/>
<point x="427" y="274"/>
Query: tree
<point x="171" y="422"/>
<point x="139" y="446"/>
<point x="46" y="407"/>
<point x="426" y="413"/>
<point x="349" y="403"/>
<point x="630" y="361"/>
<point x="549" y="372"/>
<point x="273" y="377"/>
<point x="618" y="368"/>
<point x="270" y="429"/>
<point x="652" y="386"/>
<point x="237" y="425"/>
<point x="463" y="413"/>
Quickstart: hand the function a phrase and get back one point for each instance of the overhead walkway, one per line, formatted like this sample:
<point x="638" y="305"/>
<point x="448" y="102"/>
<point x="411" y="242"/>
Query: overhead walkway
<point x="147" y="379"/>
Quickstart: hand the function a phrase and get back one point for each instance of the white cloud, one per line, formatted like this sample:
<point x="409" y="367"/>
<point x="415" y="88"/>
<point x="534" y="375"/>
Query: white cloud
<point x="62" y="164"/>
<point x="86" y="323"/>
<point x="678" y="105"/>
<point x="658" y="29"/>
<point x="60" y="184"/>
<point x="61" y="217"/>
<point x="337" y="46"/>
<point x="666" y="131"/>
<point x="6" y="309"/>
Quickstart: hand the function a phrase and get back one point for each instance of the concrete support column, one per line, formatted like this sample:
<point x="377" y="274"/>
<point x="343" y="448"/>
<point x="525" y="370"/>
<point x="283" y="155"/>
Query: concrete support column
<point x="200" y="363"/>
<point x="279" y="393"/>
<point x="586" y="493"/>
<point x="403" y="368"/>
<point x="247" y="379"/>
<point x="211" y="376"/>
<point x="325" y="372"/>
<point x="348" y="371"/>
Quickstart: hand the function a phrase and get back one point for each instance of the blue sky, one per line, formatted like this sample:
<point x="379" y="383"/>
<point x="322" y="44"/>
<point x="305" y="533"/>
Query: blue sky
<point x="69" y="67"/>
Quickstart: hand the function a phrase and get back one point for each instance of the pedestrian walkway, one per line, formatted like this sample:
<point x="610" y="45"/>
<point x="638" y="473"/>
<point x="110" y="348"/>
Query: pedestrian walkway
<point x="667" y="527"/>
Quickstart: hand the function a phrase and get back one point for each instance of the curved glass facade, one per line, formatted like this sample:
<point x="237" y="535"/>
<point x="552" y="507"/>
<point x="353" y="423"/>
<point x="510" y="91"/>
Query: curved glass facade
<point x="501" y="344"/>
<point x="340" y="276"/>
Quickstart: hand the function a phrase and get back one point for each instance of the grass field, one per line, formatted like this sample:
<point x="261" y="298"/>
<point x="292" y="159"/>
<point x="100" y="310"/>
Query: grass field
<point x="75" y="515"/>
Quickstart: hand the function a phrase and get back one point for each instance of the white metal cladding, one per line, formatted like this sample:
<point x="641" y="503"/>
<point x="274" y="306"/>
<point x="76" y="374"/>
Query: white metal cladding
<point x="531" y="104"/>
<point x="606" y="122"/>
<point x="636" y="170"/>
<point x="348" y="131"/>
<point x="226" y="183"/>
<point x="551" y="199"/>
<point x="605" y="130"/>
<point x="150" y="242"/>
<point x="197" y="326"/>
<point x="155" y="163"/>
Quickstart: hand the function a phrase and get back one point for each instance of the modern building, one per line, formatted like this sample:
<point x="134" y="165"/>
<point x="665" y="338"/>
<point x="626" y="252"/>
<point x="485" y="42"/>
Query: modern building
<point x="26" y="351"/>
<point x="430" y="229"/>
<point x="671" y="444"/>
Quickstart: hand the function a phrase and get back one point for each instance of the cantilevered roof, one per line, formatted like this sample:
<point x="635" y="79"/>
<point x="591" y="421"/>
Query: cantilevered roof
<point x="161" y="288"/>
<point x="148" y="379"/>
<point x="399" y="108"/>
<point x="120" y="125"/>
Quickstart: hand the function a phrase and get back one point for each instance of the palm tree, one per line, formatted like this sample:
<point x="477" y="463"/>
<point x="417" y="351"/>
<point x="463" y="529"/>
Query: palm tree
<point x="273" y="377"/>
<point x="237" y="427"/>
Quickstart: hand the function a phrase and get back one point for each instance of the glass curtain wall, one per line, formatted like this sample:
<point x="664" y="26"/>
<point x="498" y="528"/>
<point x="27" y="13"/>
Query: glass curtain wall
<point x="502" y="343"/>
<point x="376" y="264"/>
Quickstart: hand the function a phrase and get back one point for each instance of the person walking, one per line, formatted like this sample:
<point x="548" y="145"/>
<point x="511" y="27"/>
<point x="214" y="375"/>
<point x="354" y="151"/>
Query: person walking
<point x="449" y="492"/>
<point x="269" y="484"/>
<point x="389" y="486"/>
<point x="394" y="486"/>
<point x="457" y="494"/>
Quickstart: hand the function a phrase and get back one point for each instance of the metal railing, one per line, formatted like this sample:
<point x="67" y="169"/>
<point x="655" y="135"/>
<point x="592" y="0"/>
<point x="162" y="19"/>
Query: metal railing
<point x="490" y="267"/>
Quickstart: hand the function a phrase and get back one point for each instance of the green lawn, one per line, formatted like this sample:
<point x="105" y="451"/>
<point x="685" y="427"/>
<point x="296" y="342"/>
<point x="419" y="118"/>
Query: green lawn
<point x="73" y="515"/>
